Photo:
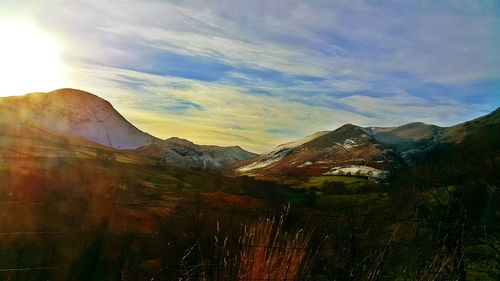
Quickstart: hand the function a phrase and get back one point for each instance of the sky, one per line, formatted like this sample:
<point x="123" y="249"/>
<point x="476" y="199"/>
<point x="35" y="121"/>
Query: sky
<point x="260" y="73"/>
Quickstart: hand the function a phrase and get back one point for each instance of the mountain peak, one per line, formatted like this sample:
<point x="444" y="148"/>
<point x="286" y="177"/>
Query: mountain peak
<point x="340" y="135"/>
<point x="413" y="124"/>
<point x="72" y="91"/>
<point x="322" y="153"/>
<point x="179" y="141"/>
<point x="349" y="128"/>
<point x="75" y="95"/>
<point x="415" y="131"/>
<point x="76" y="113"/>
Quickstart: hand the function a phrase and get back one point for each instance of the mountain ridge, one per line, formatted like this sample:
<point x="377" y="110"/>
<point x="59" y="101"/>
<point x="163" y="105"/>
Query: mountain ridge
<point x="381" y="148"/>
<point x="84" y="115"/>
<point x="323" y="153"/>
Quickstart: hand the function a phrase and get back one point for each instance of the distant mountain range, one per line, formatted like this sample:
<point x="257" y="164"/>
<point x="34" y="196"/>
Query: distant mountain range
<point x="350" y="149"/>
<point x="364" y="151"/>
<point x="76" y="113"/>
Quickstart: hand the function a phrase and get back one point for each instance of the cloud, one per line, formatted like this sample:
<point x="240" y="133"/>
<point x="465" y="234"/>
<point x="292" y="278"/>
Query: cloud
<point x="397" y="107"/>
<point x="227" y="111"/>
<point x="341" y="40"/>
<point x="240" y="72"/>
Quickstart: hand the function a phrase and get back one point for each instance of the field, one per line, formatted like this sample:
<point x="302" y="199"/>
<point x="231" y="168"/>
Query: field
<point x="318" y="181"/>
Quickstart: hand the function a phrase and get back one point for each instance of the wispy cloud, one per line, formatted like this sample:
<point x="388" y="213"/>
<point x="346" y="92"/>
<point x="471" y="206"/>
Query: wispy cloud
<point x="206" y="69"/>
<point x="225" y="112"/>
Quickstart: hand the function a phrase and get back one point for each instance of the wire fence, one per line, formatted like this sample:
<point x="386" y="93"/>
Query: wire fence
<point x="24" y="269"/>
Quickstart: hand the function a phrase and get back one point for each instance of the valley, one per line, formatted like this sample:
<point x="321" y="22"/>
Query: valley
<point x="84" y="195"/>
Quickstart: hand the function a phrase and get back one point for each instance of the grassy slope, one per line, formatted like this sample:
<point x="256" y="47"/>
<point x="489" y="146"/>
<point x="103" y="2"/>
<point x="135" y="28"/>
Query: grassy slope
<point x="52" y="184"/>
<point x="318" y="181"/>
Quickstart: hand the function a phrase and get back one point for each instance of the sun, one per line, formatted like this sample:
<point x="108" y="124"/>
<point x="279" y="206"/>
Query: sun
<point x="29" y="60"/>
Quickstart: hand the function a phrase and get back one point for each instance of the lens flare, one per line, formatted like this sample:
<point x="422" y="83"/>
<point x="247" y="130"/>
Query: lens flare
<point x="29" y="60"/>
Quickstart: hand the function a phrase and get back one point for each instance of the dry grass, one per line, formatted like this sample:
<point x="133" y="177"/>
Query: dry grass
<point x="268" y="252"/>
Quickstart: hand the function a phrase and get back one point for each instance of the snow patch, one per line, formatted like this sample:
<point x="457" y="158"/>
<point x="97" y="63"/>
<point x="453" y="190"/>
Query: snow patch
<point x="307" y="163"/>
<point x="300" y="142"/>
<point x="360" y="170"/>
<point x="267" y="161"/>
<point x="348" y="143"/>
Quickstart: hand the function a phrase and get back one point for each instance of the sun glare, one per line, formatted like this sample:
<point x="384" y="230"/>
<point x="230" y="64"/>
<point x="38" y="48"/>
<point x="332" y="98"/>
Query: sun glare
<point x="29" y="60"/>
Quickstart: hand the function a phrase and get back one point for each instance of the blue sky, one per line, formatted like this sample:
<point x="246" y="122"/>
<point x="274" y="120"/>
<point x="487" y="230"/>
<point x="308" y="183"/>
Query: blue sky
<point x="259" y="73"/>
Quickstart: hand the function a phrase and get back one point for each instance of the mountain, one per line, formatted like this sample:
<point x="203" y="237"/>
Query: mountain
<point x="408" y="133"/>
<point x="224" y="155"/>
<point x="412" y="139"/>
<point x="461" y="131"/>
<point x="347" y="150"/>
<point x="75" y="113"/>
<point x="463" y="153"/>
<point x="370" y="151"/>
<point x="181" y="151"/>
<point x="408" y="139"/>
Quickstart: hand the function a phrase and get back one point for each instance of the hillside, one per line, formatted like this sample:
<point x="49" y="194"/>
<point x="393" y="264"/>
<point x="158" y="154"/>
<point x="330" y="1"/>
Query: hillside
<point x="459" y="132"/>
<point x="180" y="151"/>
<point x="409" y="139"/>
<point x="365" y="151"/>
<point x="75" y="113"/>
<point x="323" y="153"/>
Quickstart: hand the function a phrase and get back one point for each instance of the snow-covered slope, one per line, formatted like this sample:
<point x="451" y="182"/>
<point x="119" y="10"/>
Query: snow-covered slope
<point x="321" y="153"/>
<point x="81" y="114"/>
<point x="227" y="155"/>
<point x="75" y="113"/>
<point x="300" y="142"/>
<point x="358" y="170"/>
<point x="209" y="155"/>
<point x="183" y="152"/>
